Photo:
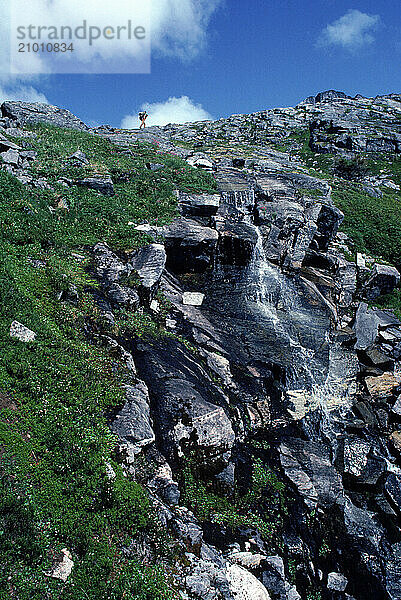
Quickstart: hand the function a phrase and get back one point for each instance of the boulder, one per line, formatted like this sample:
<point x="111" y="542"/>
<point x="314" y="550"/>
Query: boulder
<point x="355" y="455"/>
<point x="307" y="465"/>
<point x="37" y="112"/>
<point x="11" y="157"/>
<point x="337" y="582"/>
<point x="366" y="327"/>
<point x="244" y="585"/>
<point x="102" y="185"/>
<point x="6" y="145"/>
<point x="382" y="386"/>
<point x="193" y="298"/>
<point x="79" y="158"/>
<point x="199" y="205"/>
<point x="396" y="410"/>
<point x="328" y="223"/>
<point x="383" y="280"/>
<point x="187" y="406"/>
<point x="107" y="265"/>
<point x="247" y="560"/>
<point x="190" y="247"/>
<point x="21" y="333"/>
<point x="62" y="566"/>
<point x="123" y="296"/>
<point x="149" y="263"/>
<point x="132" y="424"/>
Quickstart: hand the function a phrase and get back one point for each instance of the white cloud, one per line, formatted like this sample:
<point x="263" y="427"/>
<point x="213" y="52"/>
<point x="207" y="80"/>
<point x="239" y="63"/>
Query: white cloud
<point x="19" y="91"/>
<point x="174" y="110"/>
<point x="353" y="30"/>
<point x="176" y="28"/>
<point x="179" y="27"/>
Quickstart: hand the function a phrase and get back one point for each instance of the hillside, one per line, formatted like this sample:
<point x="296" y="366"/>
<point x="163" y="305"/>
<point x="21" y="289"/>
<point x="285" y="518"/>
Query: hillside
<point x="200" y="389"/>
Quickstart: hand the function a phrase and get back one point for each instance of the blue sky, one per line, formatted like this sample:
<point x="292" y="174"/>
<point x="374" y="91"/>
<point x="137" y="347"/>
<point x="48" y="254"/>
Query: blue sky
<point x="243" y="57"/>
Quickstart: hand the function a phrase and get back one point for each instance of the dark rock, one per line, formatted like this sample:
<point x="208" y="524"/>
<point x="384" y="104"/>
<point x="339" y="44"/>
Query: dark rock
<point x="189" y="246"/>
<point x="199" y="205"/>
<point x="393" y="572"/>
<point x="308" y="466"/>
<point x="328" y="222"/>
<point x="36" y="112"/>
<point x="187" y="405"/>
<point x="123" y="296"/>
<point x="392" y="488"/>
<point x="237" y="242"/>
<point x="154" y="166"/>
<point x="383" y="280"/>
<point x="102" y="185"/>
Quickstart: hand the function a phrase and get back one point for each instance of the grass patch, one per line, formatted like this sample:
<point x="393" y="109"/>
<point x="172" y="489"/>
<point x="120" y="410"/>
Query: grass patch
<point x="246" y="510"/>
<point x="374" y="224"/>
<point x="55" y="444"/>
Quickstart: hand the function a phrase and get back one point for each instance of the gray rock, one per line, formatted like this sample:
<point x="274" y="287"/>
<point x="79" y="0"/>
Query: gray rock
<point x="62" y="566"/>
<point x="383" y="280"/>
<point x="356" y="453"/>
<point x="102" y="185"/>
<point x="36" y="112"/>
<point x="11" y="157"/>
<point x="21" y="333"/>
<point x="107" y="264"/>
<point x="366" y="327"/>
<point x="244" y="585"/>
<point x="308" y="466"/>
<point x="79" y="158"/>
<point x="193" y="298"/>
<point x="123" y="296"/>
<point x="149" y="263"/>
<point x="132" y="424"/>
<point x="6" y="145"/>
<point x="397" y="407"/>
<point x="337" y="582"/>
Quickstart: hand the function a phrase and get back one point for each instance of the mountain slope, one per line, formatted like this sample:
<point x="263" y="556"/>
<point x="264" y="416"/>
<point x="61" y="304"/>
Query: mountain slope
<point x="193" y="374"/>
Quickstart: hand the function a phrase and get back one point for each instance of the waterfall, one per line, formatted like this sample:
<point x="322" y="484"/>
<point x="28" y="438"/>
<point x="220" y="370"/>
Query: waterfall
<point x="275" y="322"/>
<point x="314" y="388"/>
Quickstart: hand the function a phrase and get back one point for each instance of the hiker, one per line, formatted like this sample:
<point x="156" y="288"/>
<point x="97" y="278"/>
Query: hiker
<point x="142" y="117"/>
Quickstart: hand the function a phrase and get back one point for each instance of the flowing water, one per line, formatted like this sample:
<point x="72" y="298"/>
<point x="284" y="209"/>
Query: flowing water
<point x="270" y="318"/>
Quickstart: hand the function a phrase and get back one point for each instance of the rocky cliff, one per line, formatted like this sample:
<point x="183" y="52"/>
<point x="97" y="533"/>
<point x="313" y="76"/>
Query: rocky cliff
<point x="241" y="299"/>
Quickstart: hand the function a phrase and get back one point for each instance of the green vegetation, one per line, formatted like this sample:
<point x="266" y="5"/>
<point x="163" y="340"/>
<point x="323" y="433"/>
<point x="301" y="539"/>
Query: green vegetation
<point x="374" y="224"/>
<point x="56" y="448"/>
<point x="352" y="170"/>
<point x="243" y="510"/>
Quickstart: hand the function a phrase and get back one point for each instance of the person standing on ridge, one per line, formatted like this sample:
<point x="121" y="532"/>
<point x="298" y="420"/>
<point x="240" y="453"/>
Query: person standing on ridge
<point x="142" y="117"/>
